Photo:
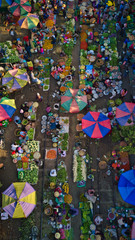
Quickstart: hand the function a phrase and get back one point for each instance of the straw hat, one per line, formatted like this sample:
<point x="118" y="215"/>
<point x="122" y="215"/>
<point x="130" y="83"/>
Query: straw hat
<point x="102" y="164"/>
<point x="81" y="152"/>
<point x="55" y="145"/>
<point x="36" y="155"/>
<point x="98" y="237"/>
<point x="35" y="104"/>
<point x="57" y="235"/>
<point x="52" y="185"/>
<point x="56" y="194"/>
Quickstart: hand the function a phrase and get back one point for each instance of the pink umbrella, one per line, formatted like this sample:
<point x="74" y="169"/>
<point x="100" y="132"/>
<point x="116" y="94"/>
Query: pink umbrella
<point x="125" y="114"/>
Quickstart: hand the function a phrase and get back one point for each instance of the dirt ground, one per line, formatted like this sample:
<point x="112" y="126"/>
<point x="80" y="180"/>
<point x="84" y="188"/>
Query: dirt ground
<point x="108" y="195"/>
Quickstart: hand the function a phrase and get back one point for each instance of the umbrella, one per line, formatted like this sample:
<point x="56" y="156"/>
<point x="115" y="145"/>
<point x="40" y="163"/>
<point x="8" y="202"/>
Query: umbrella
<point x="20" y="7"/>
<point x="125" y="112"/>
<point x="7" y="108"/>
<point x="15" y="79"/>
<point x="5" y="3"/>
<point x="96" y="124"/>
<point x="28" y="21"/>
<point x="19" y="200"/>
<point x="126" y="186"/>
<point x="73" y="100"/>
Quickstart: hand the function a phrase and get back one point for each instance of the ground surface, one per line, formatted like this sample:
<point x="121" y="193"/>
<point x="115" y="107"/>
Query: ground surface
<point x="108" y="195"/>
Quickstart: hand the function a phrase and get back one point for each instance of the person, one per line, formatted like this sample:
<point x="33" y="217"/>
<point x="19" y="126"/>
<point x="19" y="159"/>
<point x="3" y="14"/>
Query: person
<point x="48" y="109"/>
<point x="113" y="93"/>
<point x="58" y="126"/>
<point x="39" y="97"/>
<point x="123" y="92"/>
<point x="53" y="39"/>
<point x="13" y="34"/>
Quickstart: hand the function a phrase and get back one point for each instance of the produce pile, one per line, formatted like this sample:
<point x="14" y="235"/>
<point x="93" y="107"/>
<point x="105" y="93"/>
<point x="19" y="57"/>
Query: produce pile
<point x="63" y="134"/>
<point x="99" y="67"/>
<point x="63" y="71"/>
<point x="79" y="167"/>
<point x="25" y="147"/>
<point x="42" y="71"/>
<point x="9" y="53"/>
<point x="57" y="204"/>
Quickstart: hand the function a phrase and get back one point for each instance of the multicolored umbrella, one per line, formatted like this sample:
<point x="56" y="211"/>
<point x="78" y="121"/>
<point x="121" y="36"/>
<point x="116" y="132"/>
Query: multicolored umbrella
<point x="19" y="200"/>
<point x="5" y="3"/>
<point x="29" y="21"/>
<point x="73" y="100"/>
<point x="96" y="124"/>
<point x="125" y="114"/>
<point x="15" y="79"/>
<point x="126" y="186"/>
<point x="7" y="108"/>
<point x="20" y="7"/>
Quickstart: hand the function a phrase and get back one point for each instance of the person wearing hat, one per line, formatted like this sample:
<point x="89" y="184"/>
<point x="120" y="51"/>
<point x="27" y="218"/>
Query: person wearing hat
<point x="99" y="235"/>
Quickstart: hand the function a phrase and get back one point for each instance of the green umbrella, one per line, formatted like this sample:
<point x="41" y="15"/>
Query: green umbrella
<point x="74" y="100"/>
<point x="20" y="7"/>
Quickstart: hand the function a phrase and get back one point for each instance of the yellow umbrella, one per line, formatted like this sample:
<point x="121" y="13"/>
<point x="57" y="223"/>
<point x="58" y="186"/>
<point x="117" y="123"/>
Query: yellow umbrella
<point x="19" y="200"/>
<point x="28" y="21"/>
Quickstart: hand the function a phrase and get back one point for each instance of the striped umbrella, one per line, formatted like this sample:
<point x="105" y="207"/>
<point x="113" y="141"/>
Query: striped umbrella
<point x="15" y="79"/>
<point x="20" y="7"/>
<point x="19" y="200"/>
<point x="96" y="124"/>
<point x="28" y="21"/>
<point x="5" y="3"/>
<point x="125" y="114"/>
<point x="73" y="100"/>
<point x="7" y="108"/>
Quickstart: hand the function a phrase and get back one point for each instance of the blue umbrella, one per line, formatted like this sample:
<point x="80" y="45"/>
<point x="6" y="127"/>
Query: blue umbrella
<point x="96" y="124"/>
<point x="126" y="112"/>
<point x="126" y="186"/>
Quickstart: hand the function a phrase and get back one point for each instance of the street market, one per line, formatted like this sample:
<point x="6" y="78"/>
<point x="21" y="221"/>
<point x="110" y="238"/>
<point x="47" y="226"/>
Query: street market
<point x="67" y="115"/>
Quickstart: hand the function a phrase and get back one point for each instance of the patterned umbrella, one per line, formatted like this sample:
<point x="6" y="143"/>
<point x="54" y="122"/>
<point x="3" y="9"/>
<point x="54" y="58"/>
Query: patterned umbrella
<point x="19" y="200"/>
<point x="73" y="100"/>
<point x="124" y="113"/>
<point x="29" y="21"/>
<point x="20" y="7"/>
<point x="5" y="3"/>
<point x="126" y="186"/>
<point x="7" y="108"/>
<point x="96" y="124"/>
<point x="15" y="79"/>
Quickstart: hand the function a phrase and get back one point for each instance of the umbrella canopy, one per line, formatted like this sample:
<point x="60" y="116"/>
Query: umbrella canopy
<point x="126" y="186"/>
<point x="20" y="7"/>
<point x="7" y="108"/>
<point x="15" y="79"/>
<point x="28" y="21"/>
<point x="19" y="200"/>
<point x="5" y="3"/>
<point x="73" y="100"/>
<point x="96" y="124"/>
<point x="124" y="113"/>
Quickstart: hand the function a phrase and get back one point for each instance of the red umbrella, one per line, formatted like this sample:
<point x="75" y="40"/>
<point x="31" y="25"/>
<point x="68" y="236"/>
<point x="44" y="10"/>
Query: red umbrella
<point x="96" y="124"/>
<point x="125" y="114"/>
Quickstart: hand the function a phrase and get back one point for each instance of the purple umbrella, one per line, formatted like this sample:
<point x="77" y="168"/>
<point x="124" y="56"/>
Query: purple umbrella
<point x="15" y="79"/>
<point x="19" y="200"/>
